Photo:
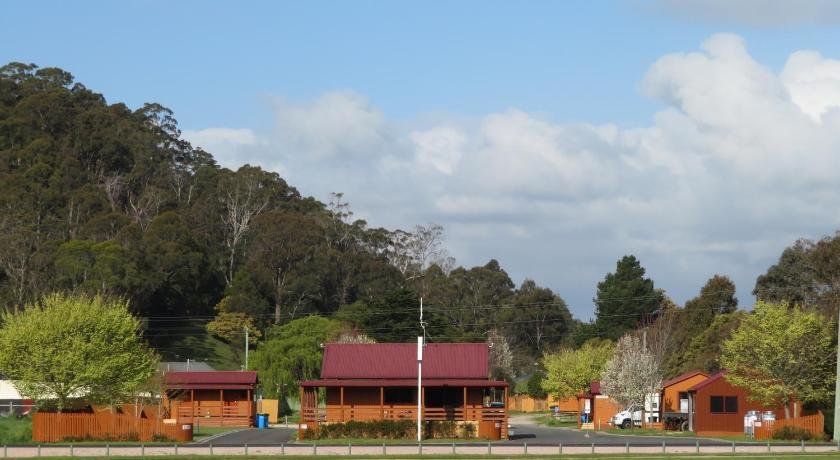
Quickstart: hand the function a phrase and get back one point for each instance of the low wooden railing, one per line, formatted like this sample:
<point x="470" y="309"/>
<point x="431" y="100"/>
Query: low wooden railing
<point x="55" y="427"/>
<point x="337" y="414"/>
<point x="812" y="423"/>
<point x="215" y="415"/>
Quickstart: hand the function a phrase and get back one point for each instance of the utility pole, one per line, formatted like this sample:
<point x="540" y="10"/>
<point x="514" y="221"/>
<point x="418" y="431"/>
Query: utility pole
<point x="419" y="388"/>
<point x="246" y="348"/>
<point x="420" y="343"/>
<point x="837" y="389"/>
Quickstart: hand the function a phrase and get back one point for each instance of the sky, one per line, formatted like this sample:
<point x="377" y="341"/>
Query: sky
<point x="702" y="136"/>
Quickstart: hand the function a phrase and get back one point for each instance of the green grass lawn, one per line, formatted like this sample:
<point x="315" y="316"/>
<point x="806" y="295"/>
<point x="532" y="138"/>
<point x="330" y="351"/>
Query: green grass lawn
<point x="204" y="431"/>
<point x="637" y="456"/>
<point x="15" y="431"/>
<point x="197" y="344"/>
<point x="649" y="432"/>
<point x="379" y="442"/>
<point x="550" y="420"/>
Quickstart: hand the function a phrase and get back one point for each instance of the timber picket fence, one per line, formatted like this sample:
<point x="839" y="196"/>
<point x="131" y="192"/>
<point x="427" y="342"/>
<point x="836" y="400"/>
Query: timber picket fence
<point x="56" y="427"/>
<point x="813" y="423"/>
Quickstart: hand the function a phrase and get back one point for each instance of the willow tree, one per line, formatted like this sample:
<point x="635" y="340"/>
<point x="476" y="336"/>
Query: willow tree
<point x="75" y="346"/>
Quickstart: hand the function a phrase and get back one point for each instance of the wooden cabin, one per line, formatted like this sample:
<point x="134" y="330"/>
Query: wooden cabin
<point x="595" y="409"/>
<point x="673" y="409"/>
<point x="379" y="382"/>
<point x="716" y="407"/>
<point x="210" y="398"/>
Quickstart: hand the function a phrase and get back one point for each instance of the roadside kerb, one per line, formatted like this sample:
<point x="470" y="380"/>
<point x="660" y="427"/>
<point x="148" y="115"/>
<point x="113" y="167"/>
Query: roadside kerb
<point x="342" y="450"/>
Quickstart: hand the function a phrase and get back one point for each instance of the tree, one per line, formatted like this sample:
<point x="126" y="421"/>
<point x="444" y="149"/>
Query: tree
<point x="537" y="318"/>
<point x="283" y="244"/>
<point x="781" y="355"/>
<point x="625" y="299"/>
<point x="292" y="352"/>
<point x="632" y="373"/>
<point x="569" y="371"/>
<point x="393" y="318"/>
<point x="244" y="198"/>
<point x="716" y="297"/>
<point x="64" y="346"/>
<point x="792" y="279"/>
<point x="501" y="357"/>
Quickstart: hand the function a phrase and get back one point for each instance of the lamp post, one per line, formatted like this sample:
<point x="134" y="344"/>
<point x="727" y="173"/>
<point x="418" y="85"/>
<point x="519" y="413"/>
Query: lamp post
<point x="419" y="387"/>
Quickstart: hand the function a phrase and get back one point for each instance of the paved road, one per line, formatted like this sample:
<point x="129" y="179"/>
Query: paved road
<point x="526" y="431"/>
<point x="251" y="436"/>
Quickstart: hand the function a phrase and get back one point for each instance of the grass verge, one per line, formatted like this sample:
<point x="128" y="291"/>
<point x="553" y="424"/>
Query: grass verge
<point x="15" y="431"/>
<point x="550" y="420"/>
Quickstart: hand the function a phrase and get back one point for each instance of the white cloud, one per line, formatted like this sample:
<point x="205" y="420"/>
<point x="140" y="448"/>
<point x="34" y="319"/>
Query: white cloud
<point x="335" y="124"/>
<point x="740" y="163"/>
<point x="226" y="144"/>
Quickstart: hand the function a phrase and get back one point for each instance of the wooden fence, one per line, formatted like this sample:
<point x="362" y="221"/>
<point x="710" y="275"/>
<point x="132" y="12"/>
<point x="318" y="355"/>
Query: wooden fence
<point x="813" y="423"/>
<point x="56" y="426"/>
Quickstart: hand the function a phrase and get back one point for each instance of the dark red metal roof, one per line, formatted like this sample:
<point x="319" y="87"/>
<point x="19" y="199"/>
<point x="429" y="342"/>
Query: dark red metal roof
<point x="331" y="383"/>
<point x="208" y="380"/>
<point x="399" y="361"/>
<point x="595" y="387"/>
<point x="708" y="381"/>
<point x="682" y="377"/>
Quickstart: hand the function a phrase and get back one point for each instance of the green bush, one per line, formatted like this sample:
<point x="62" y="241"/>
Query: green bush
<point x="468" y="431"/>
<point x="390" y="429"/>
<point x="14" y="430"/>
<point x="792" y="433"/>
<point x="374" y="429"/>
<point x="441" y="430"/>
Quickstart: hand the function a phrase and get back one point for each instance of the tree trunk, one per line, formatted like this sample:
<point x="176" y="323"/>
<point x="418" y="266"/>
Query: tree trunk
<point x="787" y="410"/>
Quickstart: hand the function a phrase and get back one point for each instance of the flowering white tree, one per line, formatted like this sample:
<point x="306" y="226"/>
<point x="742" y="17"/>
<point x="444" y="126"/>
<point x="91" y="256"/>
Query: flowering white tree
<point x="632" y="373"/>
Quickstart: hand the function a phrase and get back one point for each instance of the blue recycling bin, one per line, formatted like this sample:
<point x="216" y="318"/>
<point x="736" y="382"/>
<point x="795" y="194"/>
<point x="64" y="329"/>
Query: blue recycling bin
<point x="262" y="421"/>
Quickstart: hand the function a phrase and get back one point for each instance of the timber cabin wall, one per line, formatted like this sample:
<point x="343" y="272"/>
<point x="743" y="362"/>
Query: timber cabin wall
<point x="671" y="394"/>
<point x="708" y="423"/>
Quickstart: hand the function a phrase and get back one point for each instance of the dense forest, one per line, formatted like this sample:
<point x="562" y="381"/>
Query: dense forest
<point x="102" y="198"/>
<point x="97" y="197"/>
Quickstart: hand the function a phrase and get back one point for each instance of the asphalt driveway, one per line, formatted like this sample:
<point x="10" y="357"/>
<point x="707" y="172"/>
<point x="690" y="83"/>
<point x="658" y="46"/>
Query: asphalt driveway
<point x="251" y="436"/>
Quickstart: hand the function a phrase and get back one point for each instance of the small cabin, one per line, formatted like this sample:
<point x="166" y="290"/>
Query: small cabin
<point x="674" y="398"/>
<point x="379" y="382"/>
<point x="716" y="407"/>
<point x="595" y="409"/>
<point x="210" y="398"/>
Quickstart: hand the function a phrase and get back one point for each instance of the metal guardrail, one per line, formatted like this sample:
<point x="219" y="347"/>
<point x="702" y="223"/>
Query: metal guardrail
<point x="430" y="448"/>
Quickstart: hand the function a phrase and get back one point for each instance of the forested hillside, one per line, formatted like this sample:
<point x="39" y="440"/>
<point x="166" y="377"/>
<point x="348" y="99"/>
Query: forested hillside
<point x="101" y="197"/>
<point x="104" y="198"/>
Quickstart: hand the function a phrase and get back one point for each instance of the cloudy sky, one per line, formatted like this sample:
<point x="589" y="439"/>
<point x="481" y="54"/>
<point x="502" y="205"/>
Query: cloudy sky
<point x="703" y="136"/>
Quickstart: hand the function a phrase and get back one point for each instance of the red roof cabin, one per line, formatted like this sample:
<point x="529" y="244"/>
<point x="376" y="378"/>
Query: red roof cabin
<point x="210" y="398"/>
<point x="717" y="407"/>
<point x="379" y="382"/>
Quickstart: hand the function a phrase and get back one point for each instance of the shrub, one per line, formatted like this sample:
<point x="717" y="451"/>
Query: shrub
<point x="792" y="433"/>
<point x="390" y="429"/>
<point x="441" y="430"/>
<point x="374" y="429"/>
<point x="468" y="431"/>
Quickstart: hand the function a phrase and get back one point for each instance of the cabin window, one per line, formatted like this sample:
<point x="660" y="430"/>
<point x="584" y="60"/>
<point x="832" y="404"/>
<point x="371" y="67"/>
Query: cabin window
<point x="723" y="404"/>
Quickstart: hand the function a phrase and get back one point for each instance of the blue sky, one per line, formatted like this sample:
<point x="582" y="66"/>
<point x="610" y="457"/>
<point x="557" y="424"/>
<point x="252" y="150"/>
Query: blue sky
<point x="419" y="98"/>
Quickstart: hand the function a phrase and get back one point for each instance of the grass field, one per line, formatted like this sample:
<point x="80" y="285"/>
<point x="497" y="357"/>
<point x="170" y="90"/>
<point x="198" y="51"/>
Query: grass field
<point x="649" y="432"/>
<point x="549" y="420"/>
<point x="15" y="431"/>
